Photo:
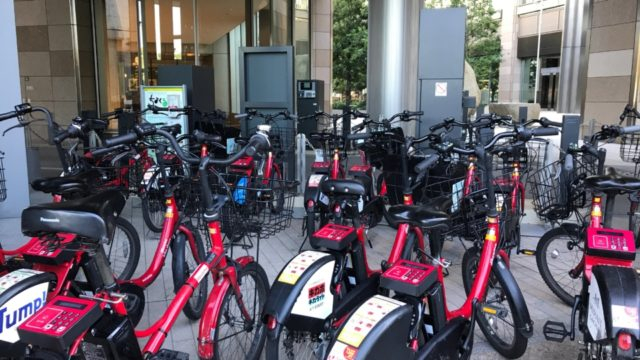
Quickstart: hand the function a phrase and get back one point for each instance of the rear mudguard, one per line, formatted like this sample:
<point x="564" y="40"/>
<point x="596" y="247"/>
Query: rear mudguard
<point x="521" y="312"/>
<point x="614" y="300"/>
<point x="377" y="329"/>
<point x="312" y="193"/>
<point x="447" y="342"/>
<point x="302" y="294"/>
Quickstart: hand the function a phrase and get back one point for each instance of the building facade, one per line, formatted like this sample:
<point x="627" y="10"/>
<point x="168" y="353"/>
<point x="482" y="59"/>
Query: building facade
<point x="91" y="56"/>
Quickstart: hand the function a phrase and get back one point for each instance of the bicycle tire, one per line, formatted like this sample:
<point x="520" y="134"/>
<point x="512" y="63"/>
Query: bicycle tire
<point x="276" y="184"/>
<point x="488" y="322"/>
<point x="153" y="205"/>
<point x="183" y="264"/>
<point x="257" y="339"/>
<point x="315" y="220"/>
<point x="130" y="252"/>
<point x="634" y="222"/>
<point x="553" y="282"/>
<point x="295" y="345"/>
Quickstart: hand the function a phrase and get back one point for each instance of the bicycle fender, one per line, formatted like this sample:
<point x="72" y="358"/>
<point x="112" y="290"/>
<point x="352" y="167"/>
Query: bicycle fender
<point x="521" y="310"/>
<point x="377" y="329"/>
<point x="208" y="324"/>
<point x="614" y="295"/>
<point x="571" y="228"/>
<point x="312" y="191"/>
<point x="301" y="295"/>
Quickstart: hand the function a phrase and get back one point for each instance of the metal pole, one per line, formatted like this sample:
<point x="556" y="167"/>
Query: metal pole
<point x="196" y="33"/>
<point x="535" y="91"/>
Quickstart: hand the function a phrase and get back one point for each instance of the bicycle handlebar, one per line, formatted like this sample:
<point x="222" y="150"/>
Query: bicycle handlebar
<point x="426" y="164"/>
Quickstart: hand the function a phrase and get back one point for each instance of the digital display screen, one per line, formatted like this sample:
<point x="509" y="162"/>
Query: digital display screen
<point x="70" y="304"/>
<point x="305" y="85"/>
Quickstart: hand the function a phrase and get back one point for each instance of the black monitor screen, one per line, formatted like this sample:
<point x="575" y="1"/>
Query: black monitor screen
<point x="305" y="85"/>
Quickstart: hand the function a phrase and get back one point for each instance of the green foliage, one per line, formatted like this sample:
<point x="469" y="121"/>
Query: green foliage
<point x="483" y="41"/>
<point x="350" y="37"/>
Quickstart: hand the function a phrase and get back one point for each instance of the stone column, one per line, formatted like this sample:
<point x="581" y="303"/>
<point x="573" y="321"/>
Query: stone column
<point x="392" y="69"/>
<point x="321" y="15"/>
<point x="573" y="59"/>
<point x="13" y="145"/>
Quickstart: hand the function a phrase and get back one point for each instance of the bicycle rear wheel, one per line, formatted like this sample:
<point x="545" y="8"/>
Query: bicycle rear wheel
<point x="296" y="345"/>
<point x="236" y="337"/>
<point x="559" y="251"/>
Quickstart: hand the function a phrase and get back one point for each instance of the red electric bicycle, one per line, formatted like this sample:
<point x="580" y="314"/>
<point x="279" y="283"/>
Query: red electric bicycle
<point x="396" y="327"/>
<point x="607" y="306"/>
<point x="100" y="325"/>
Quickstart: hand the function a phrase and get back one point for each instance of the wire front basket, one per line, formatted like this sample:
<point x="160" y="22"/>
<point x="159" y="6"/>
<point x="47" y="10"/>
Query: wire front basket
<point x="630" y="148"/>
<point x="258" y="207"/>
<point x="556" y="193"/>
<point x="3" y="181"/>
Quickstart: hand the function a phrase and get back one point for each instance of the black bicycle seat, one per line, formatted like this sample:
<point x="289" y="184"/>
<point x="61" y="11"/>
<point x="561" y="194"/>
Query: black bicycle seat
<point x="67" y="184"/>
<point x="343" y="187"/>
<point x="423" y="216"/>
<point x="612" y="182"/>
<point x="92" y="217"/>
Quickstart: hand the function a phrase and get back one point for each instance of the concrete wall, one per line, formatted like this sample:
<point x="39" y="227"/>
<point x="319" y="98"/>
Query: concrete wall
<point x="13" y="145"/>
<point x="610" y="59"/>
<point x="510" y="68"/>
<point x="321" y="13"/>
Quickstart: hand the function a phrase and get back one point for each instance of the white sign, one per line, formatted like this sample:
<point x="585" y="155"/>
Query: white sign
<point x="172" y="97"/>
<point x="595" y="314"/>
<point x="441" y="89"/>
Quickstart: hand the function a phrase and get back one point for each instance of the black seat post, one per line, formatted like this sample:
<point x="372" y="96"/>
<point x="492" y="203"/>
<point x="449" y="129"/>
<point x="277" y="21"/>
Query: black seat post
<point x="608" y="208"/>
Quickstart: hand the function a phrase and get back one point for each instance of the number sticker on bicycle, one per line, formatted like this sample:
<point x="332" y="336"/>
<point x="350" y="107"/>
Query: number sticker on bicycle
<point x="314" y="180"/>
<point x="298" y="265"/>
<point x="365" y="318"/>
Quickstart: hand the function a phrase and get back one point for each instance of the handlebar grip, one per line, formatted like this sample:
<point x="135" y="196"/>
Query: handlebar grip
<point x="567" y="166"/>
<point x="544" y="131"/>
<point x="437" y="126"/>
<point x="414" y="113"/>
<point x="361" y="136"/>
<point x="426" y="164"/>
<point x="484" y="122"/>
<point x="61" y="137"/>
<point x="546" y="122"/>
<point x="629" y="129"/>
<point x="8" y="115"/>
<point x="127" y="138"/>
<point x="202" y="136"/>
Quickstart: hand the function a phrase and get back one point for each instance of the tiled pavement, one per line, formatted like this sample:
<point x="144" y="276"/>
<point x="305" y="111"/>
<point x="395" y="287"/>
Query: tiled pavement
<point x="275" y="251"/>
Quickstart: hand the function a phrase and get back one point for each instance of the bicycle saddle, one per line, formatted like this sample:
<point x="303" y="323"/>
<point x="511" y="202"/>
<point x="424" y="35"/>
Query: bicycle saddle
<point x="91" y="217"/>
<point x="612" y="182"/>
<point x="342" y="187"/>
<point x="65" y="185"/>
<point x="423" y="216"/>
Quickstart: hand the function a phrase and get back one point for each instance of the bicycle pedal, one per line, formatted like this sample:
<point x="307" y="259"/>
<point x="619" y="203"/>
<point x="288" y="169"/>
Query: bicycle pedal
<point x="527" y="252"/>
<point x="166" y="354"/>
<point x="555" y="331"/>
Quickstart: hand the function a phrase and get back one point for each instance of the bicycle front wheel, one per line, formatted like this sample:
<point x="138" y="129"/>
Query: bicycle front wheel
<point x="237" y="337"/>
<point x="183" y="264"/>
<point x="558" y="253"/>
<point x="153" y="206"/>
<point x="123" y="249"/>
<point x="496" y="317"/>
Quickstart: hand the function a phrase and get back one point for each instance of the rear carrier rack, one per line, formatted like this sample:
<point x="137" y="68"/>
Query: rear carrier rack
<point x="409" y="278"/>
<point x="333" y="237"/>
<point x="611" y="243"/>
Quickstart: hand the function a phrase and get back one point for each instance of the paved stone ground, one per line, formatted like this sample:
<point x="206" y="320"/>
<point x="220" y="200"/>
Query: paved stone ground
<point x="275" y="251"/>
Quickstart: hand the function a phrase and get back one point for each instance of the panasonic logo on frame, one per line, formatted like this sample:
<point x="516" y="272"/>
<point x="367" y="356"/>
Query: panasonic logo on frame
<point x="49" y="220"/>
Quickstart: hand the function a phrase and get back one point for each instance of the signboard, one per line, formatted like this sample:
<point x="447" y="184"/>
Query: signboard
<point x="165" y="97"/>
<point x="441" y="89"/>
